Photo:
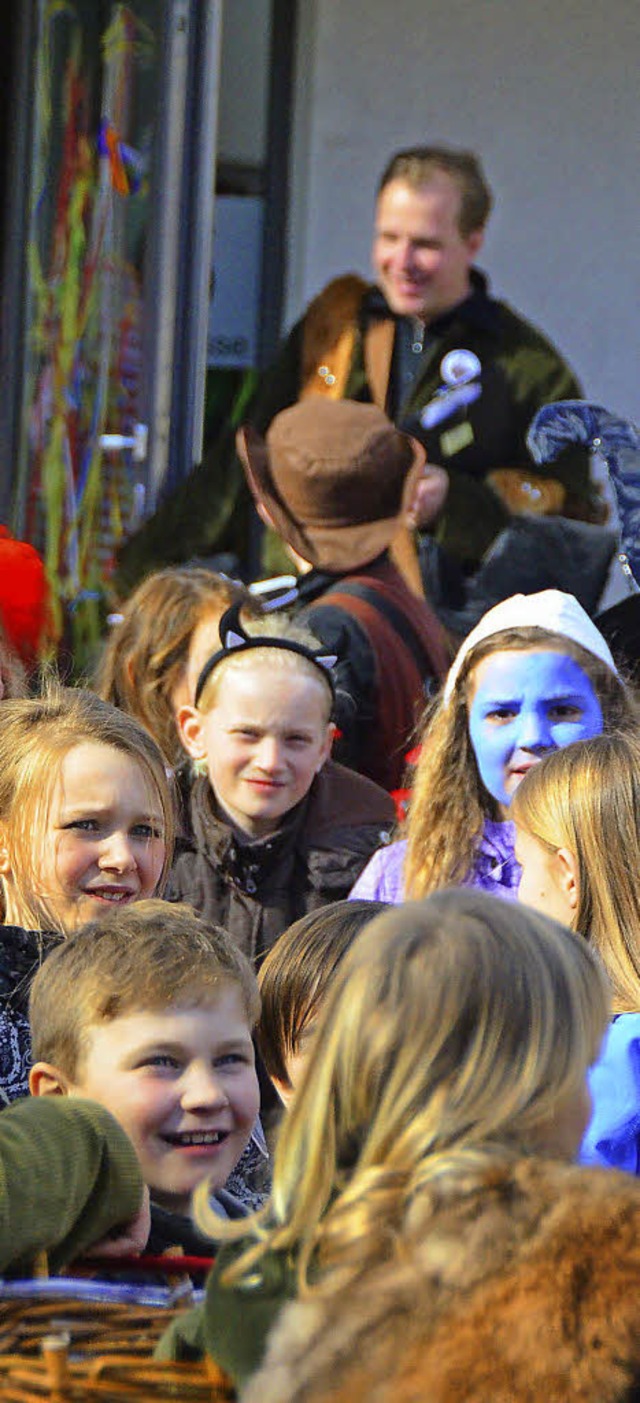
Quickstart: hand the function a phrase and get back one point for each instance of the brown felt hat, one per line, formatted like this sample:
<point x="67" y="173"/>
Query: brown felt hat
<point x="332" y="475"/>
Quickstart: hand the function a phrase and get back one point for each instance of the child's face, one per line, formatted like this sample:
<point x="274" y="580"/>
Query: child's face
<point x="523" y="705"/>
<point x="264" y="740"/>
<point x="103" y="841"/>
<point x="562" y="1135"/>
<point x="183" y="1085"/>
<point x="549" y="881"/>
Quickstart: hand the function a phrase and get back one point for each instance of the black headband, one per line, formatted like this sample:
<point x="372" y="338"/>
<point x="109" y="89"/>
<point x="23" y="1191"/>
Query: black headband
<point x="234" y="640"/>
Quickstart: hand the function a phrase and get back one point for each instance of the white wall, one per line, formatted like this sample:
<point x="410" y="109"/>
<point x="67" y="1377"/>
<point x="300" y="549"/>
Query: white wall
<point x="546" y="92"/>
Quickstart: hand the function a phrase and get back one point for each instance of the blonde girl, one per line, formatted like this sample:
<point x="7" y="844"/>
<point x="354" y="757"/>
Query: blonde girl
<point x="86" y="820"/>
<point x="533" y="676"/>
<point x="577" y="820"/>
<point x="429" y="1141"/>
<point x="154" y="654"/>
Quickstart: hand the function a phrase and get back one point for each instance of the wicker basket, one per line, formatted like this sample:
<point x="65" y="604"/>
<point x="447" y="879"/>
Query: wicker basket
<point x="67" y="1341"/>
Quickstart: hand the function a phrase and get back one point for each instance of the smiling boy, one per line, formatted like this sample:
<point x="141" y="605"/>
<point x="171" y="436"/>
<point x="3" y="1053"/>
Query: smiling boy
<point x="150" y="1012"/>
<point x="275" y="827"/>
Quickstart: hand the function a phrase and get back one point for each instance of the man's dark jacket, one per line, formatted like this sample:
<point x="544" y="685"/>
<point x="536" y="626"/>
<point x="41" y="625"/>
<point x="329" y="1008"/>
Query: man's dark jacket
<point x="520" y="371"/>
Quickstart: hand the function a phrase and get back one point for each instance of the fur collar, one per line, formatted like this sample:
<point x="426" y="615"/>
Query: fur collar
<point x="520" y="1286"/>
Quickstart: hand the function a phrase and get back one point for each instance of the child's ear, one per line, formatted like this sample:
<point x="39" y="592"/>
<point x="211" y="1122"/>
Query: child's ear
<point x="190" y="727"/>
<point x="284" y="1090"/>
<point x="567" y="872"/>
<point x="46" y="1080"/>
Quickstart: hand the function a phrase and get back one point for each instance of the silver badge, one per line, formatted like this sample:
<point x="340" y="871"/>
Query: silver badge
<point x="459" y="367"/>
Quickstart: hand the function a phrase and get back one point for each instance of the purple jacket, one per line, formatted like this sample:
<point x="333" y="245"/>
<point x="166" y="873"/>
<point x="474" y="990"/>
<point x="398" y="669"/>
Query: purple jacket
<point x="495" y="868"/>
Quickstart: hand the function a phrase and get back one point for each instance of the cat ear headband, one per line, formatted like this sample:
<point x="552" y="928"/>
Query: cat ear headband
<point x="234" y="640"/>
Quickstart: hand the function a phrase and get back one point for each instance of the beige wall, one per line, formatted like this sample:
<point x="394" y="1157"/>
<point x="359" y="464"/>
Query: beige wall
<point x="546" y="91"/>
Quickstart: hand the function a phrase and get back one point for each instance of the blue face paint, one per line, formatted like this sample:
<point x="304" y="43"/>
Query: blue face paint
<point x="524" y="704"/>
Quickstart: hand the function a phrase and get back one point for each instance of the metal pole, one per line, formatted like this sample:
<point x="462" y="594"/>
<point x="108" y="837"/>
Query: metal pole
<point x="208" y="36"/>
<point x="14" y="351"/>
<point x="162" y="271"/>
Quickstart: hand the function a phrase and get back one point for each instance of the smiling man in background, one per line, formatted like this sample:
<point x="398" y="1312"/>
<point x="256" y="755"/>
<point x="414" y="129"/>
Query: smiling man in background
<point x="447" y="362"/>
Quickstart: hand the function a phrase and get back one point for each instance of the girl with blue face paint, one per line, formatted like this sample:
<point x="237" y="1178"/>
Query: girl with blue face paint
<point x="523" y="705"/>
<point x="533" y="676"/>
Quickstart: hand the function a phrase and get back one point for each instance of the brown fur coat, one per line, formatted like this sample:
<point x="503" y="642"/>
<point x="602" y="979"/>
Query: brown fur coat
<point x="523" y="1288"/>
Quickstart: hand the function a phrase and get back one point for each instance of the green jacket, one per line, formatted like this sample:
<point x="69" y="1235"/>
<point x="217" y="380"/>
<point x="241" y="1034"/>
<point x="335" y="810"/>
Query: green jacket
<point x="521" y="370"/>
<point x="68" y="1175"/>
<point x="233" y="1325"/>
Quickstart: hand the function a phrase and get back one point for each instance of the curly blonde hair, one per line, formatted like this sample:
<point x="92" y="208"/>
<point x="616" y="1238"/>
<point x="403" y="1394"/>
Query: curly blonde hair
<point x="449" y="803"/>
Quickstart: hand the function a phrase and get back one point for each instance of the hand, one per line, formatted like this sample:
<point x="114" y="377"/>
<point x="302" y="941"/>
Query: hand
<point x="429" y="496"/>
<point x="130" y="1238"/>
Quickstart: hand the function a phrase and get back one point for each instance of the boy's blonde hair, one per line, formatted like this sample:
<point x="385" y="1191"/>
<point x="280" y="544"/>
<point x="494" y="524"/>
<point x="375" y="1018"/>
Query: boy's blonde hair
<point x="35" y="736"/>
<point x="453" y="1033"/>
<point x="277" y="627"/>
<point x="587" y="798"/>
<point x="151" y="957"/>
<point x="449" y="803"/>
<point x="146" y="654"/>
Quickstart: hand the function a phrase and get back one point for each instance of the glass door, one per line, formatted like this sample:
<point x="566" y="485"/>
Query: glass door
<point x="110" y="165"/>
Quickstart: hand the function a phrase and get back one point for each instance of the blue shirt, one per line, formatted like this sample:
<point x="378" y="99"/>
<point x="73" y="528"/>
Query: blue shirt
<point x="613" y="1135"/>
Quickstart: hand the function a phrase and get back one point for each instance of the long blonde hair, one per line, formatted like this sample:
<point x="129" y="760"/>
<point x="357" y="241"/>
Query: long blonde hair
<point x="449" y="803"/>
<point x="36" y="733"/>
<point x="587" y="799"/>
<point x="454" y="1030"/>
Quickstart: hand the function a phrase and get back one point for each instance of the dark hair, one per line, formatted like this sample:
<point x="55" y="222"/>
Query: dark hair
<point x="417" y="164"/>
<point x="296" y="974"/>
<point x="151" y="956"/>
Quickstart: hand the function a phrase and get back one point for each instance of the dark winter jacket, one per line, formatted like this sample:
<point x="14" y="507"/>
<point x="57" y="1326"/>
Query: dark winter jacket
<point x="520" y="370"/>
<point x="256" y="889"/>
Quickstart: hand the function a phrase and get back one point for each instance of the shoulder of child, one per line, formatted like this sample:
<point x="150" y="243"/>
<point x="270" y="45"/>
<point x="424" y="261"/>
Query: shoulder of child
<point x="613" y="1135"/>
<point x="383" y="877"/>
<point x="346" y="797"/>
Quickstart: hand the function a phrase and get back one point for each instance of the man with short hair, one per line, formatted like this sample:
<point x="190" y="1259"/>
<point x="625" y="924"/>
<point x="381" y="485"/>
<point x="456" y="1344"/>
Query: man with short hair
<point x="451" y="365"/>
